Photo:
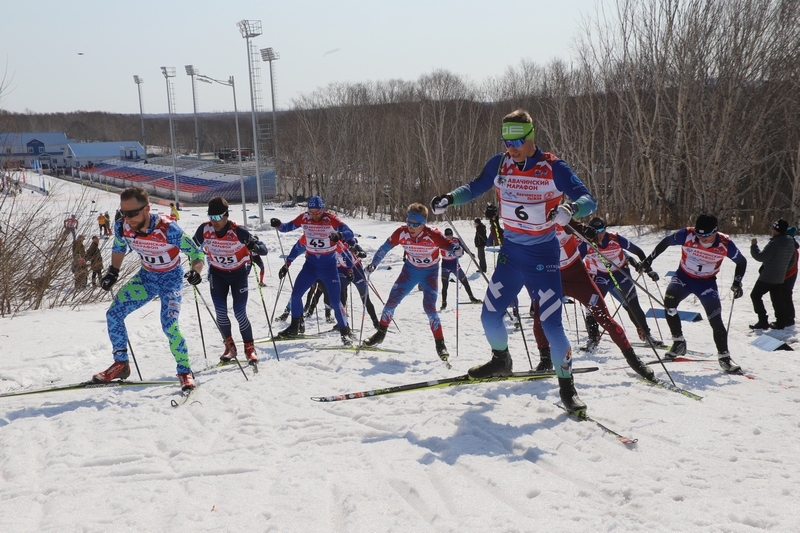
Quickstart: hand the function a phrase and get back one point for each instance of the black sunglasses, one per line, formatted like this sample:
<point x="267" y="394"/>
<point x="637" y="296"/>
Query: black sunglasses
<point x="132" y="213"/>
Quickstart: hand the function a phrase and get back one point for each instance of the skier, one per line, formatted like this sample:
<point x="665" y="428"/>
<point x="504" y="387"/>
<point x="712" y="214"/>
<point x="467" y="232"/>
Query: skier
<point x="228" y="247"/>
<point x="776" y="258"/>
<point x="530" y="184"/>
<point x="316" y="291"/>
<point x="421" y="267"/>
<point x="351" y="270"/>
<point x="255" y="259"/>
<point x="158" y="241"/>
<point x="322" y="230"/>
<point x="702" y="250"/>
<point x="613" y="247"/>
<point x="71" y="226"/>
<point x="450" y="265"/>
<point x="578" y="284"/>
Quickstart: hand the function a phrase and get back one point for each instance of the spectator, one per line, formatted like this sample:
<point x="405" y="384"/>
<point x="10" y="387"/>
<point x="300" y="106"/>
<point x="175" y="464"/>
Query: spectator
<point x="480" y="243"/>
<point x="777" y="256"/>
<point x="95" y="260"/>
<point x="174" y="212"/>
<point x="71" y="226"/>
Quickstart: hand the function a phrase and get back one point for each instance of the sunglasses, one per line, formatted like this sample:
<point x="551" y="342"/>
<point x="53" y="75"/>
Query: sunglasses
<point x="516" y="143"/>
<point x="709" y="234"/>
<point x="217" y="218"/>
<point x="414" y="224"/>
<point x="132" y="213"/>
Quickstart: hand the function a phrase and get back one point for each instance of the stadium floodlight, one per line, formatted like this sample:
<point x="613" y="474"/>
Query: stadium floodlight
<point x="250" y="29"/>
<point x="169" y="72"/>
<point x="268" y="54"/>
<point x="232" y="85"/>
<point x="139" y="81"/>
<point x="191" y="71"/>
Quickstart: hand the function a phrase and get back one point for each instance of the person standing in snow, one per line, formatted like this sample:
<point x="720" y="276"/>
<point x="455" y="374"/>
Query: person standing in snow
<point x="480" y="243"/>
<point x="422" y="245"/>
<point x="322" y="230"/>
<point x="228" y="247"/>
<point x="158" y="241"/>
<point x="450" y="265"/>
<point x="95" y="260"/>
<point x="578" y="284"/>
<point x="530" y="184"/>
<point x="703" y="248"/>
<point x="776" y="258"/>
<point x="613" y="247"/>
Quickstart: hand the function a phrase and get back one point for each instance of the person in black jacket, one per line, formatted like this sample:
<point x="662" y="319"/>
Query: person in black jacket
<point x="480" y="243"/>
<point x="777" y="256"/>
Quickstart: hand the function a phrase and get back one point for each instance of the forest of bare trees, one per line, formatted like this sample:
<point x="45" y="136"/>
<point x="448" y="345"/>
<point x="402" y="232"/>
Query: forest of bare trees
<point x="668" y="109"/>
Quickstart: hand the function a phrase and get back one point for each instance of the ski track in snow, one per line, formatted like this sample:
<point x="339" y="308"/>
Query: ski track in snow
<point x="259" y="455"/>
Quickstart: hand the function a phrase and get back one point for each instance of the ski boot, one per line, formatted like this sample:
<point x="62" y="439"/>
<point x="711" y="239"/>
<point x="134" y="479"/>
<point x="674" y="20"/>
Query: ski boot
<point x="378" y="337"/>
<point x="119" y="370"/>
<point x="727" y="364"/>
<point x="328" y="318"/>
<point x="441" y="350"/>
<point x="444" y="305"/>
<point x="283" y="316"/>
<point x="292" y="332"/>
<point x="677" y="349"/>
<point x="545" y="363"/>
<point x="593" y="330"/>
<point x="347" y="336"/>
<point x="499" y="365"/>
<point x="776" y="325"/>
<point x="187" y="381"/>
<point x="302" y="327"/>
<point x="474" y="300"/>
<point x="250" y="353"/>
<point x="635" y="363"/>
<point x="569" y="397"/>
<point x="762" y="323"/>
<point x="230" y="351"/>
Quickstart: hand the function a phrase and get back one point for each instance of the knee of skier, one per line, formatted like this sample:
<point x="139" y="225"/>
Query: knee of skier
<point x="672" y="311"/>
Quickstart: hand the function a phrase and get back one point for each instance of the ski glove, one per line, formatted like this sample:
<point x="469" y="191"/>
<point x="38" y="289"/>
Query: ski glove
<point x="653" y="275"/>
<point x="111" y="277"/>
<point x="736" y="288"/>
<point x="458" y="251"/>
<point x="561" y="214"/>
<point x="283" y="271"/>
<point x="350" y="276"/>
<point x="275" y="222"/>
<point x="590" y="233"/>
<point x="491" y="211"/>
<point x="439" y="203"/>
<point x="193" y="277"/>
<point x="359" y="251"/>
<point x="371" y="268"/>
<point x="252" y="244"/>
<point x="644" y="266"/>
<point x="335" y="237"/>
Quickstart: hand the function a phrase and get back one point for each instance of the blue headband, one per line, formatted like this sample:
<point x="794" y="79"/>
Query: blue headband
<point x="416" y="216"/>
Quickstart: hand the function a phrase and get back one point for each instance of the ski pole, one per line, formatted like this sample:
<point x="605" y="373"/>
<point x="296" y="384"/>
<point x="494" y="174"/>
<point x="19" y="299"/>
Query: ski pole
<point x="200" y="323"/>
<point x="372" y="286"/>
<point x="269" y="322"/>
<point x="221" y="333"/>
<point x="283" y="255"/>
<point x="130" y="349"/>
<point x="458" y="280"/>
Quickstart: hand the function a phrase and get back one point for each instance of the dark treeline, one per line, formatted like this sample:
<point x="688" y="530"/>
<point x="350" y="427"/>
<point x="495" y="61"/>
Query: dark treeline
<point x="669" y="109"/>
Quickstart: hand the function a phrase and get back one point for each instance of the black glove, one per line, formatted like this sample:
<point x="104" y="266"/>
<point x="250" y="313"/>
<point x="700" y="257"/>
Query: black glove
<point x="491" y="211"/>
<point x="359" y="251"/>
<point x="439" y="203"/>
<point x="193" y="277"/>
<point x="736" y="288"/>
<point x="632" y="261"/>
<point x="644" y="266"/>
<point x="457" y="250"/>
<point x="350" y="276"/>
<point x="111" y="277"/>
<point x="653" y="274"/>
<point x="335" y="237"/>
<point x="275" y="222"/>
<point x="283" y="271"/>
<point x="590" y="233"/>
<point x="371" y="268"/>
<point x="251" y="244"/>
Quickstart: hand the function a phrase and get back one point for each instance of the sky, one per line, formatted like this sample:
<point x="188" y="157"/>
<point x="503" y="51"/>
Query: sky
<point x="259" y="455"/>
<point x="91" y="50"/>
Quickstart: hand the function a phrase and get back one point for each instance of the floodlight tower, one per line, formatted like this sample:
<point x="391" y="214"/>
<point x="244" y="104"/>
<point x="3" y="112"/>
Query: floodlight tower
<point x="139" y="81"/>
<point x="250" y="29"/>
<point x="268" y="54"/>
<point x="230" y="83"/>
<point x="191" y="71"/>
<point x="169" y="72"/>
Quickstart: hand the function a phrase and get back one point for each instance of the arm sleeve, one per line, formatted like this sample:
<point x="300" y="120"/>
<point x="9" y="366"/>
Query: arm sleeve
<point x="191" y="248"/>
<point x="735" y="255"/>
<point x="295" y="252"/>
<point x="628" y="245"/>
<point x="481" y="184"/>
<point x="583" y="203"/>
<point x="198" y="235"/>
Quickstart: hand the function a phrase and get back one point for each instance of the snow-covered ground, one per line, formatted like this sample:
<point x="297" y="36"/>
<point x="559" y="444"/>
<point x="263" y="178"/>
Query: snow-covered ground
<point x="259" y="455"/>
